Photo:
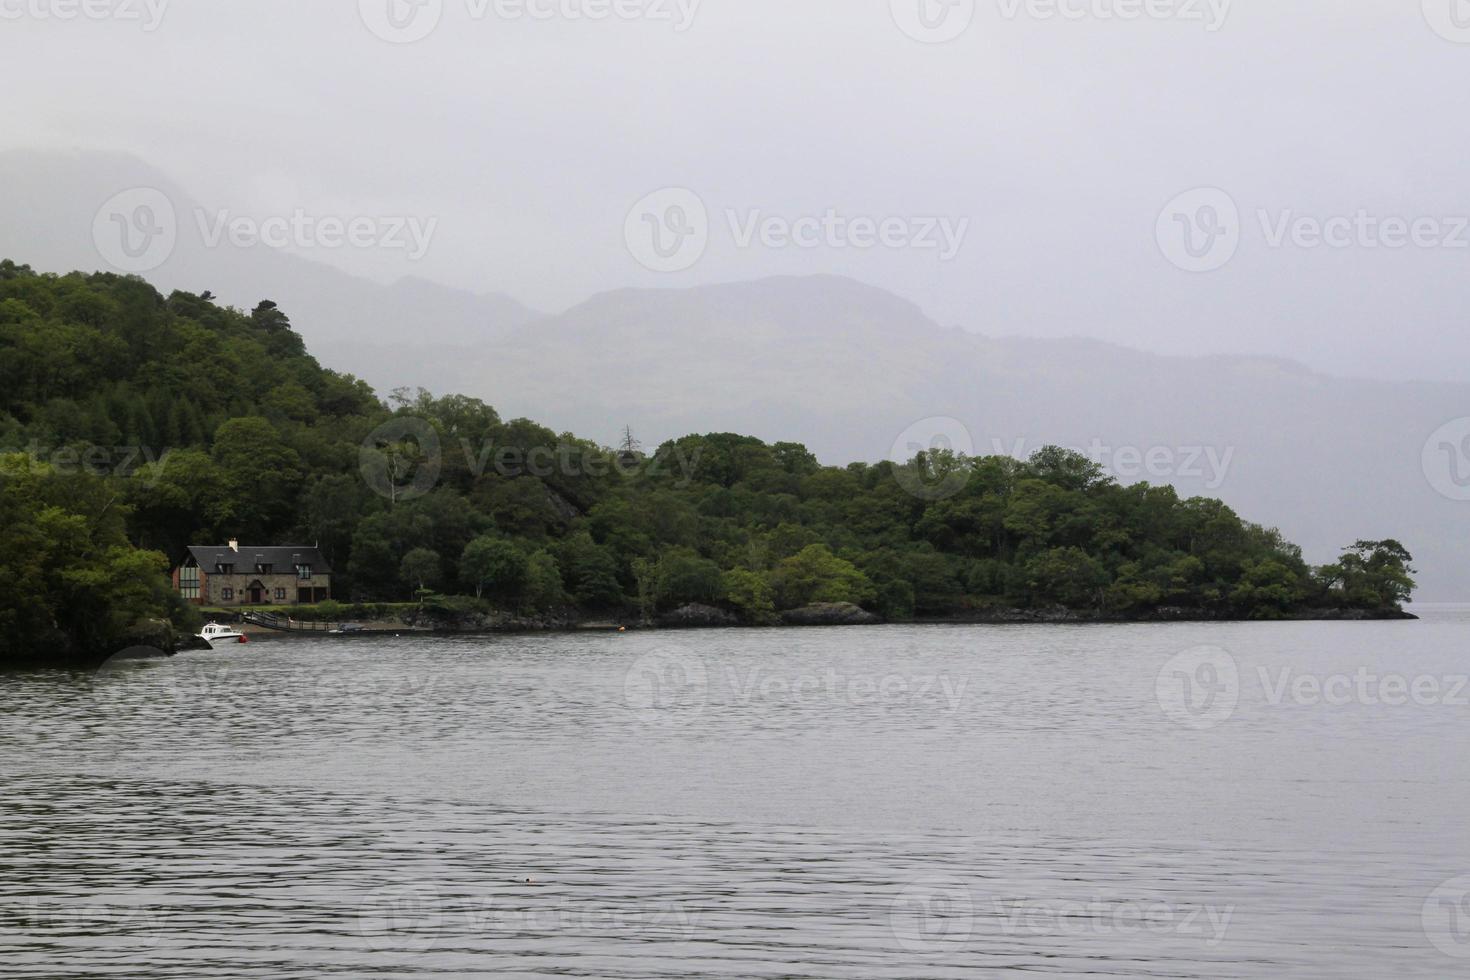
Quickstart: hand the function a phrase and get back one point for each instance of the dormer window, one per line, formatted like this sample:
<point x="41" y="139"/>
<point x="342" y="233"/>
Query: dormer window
<point x="224" y="569"/>
<point x="263" y="568"/>
<point x="303" y="572"/>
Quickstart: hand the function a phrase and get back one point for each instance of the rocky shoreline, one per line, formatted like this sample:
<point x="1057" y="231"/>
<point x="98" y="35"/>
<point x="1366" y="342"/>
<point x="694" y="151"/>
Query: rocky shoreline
<point x="696" y="616"/>
<point x="157" y="638"/>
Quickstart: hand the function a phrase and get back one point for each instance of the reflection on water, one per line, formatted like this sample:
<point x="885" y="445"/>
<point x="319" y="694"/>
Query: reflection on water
<point x="886" y="802"/>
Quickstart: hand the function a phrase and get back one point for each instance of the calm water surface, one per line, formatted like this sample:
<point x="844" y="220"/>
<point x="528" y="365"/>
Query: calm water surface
<point x="1166" y="800"/>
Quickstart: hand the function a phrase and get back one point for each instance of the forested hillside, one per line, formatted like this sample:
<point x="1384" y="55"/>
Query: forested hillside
<point x="136" y="424"/>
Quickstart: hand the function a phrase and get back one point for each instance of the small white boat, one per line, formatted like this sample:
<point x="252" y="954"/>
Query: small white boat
<point x="215" y="633"/>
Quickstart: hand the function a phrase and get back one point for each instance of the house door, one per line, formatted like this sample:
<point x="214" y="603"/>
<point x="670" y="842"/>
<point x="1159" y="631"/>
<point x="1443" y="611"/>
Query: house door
<point x="257" y="594"/>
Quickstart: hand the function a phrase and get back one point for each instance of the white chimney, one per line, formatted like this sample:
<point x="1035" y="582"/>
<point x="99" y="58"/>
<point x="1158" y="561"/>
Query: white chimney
<point x="235" y="544"/>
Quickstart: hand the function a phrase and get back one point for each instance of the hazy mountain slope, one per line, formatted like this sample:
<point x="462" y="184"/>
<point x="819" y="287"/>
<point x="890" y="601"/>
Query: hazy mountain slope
<point x="847" y="368"/>
<point x="375" y="331"/>
<point x="844" y="367"/>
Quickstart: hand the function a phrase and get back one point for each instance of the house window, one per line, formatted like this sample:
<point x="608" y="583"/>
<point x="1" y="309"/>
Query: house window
<point x="225" y="569"/>
<point x="303" y="572"/>
<point x="228" y="595"/>
<point x="189" y="582"/>
<point x="280" y="595"/>
<point x="263" y="569"/>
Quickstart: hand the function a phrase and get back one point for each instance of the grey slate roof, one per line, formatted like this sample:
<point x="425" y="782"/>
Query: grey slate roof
<point x="283" y="558"/>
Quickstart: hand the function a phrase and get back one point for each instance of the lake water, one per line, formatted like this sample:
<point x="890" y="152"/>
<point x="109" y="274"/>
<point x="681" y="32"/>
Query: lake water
<point x="1239" y="800"/>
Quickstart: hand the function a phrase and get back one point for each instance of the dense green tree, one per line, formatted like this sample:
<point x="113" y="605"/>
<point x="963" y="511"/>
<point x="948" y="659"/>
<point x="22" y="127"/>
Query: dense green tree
<point x="543" y="591"/>
<point x="1372" y="575"/>
<point x="422" y="569"/>
<point x="238" y="431"/>
<point x="751" y="594"/>
<point x="817" y="575"/>
<point x="590" y="572"/>
<point x="74" y="585"/>
<point x="493" y="564"/>
<point x="1066" y="577"/>
<point x="259" y="473"/>
<point x="683" y="577"/>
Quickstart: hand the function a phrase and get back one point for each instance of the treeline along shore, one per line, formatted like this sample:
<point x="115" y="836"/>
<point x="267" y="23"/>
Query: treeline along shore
<point x="143" y="424"/>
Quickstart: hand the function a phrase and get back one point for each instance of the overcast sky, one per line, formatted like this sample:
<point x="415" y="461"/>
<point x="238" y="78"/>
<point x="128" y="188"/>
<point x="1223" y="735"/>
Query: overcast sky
<point x="1047" y="153"/>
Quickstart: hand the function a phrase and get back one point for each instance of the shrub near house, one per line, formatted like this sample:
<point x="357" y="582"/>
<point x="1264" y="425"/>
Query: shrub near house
<point x="235" y="574"/>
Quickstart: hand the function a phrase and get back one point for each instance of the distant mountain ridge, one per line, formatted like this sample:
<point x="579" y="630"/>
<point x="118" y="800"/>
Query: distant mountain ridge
<point x="46" y="220"/>
<point x="849" y="369"/>
<point x="845" y="367"/>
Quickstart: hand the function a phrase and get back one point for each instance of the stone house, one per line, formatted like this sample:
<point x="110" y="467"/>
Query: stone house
<point x="242" y="575"/>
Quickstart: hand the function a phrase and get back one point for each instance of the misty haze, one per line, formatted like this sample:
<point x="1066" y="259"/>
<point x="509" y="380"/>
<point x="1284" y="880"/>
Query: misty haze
<point x="692" y="488"/>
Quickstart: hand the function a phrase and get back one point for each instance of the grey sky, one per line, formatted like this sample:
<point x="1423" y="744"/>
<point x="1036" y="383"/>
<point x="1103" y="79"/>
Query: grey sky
<point x="1059" y="139"/>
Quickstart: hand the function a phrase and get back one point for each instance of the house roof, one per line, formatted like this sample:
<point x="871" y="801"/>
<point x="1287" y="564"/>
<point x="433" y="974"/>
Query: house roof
<point x="284" y="557"/>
